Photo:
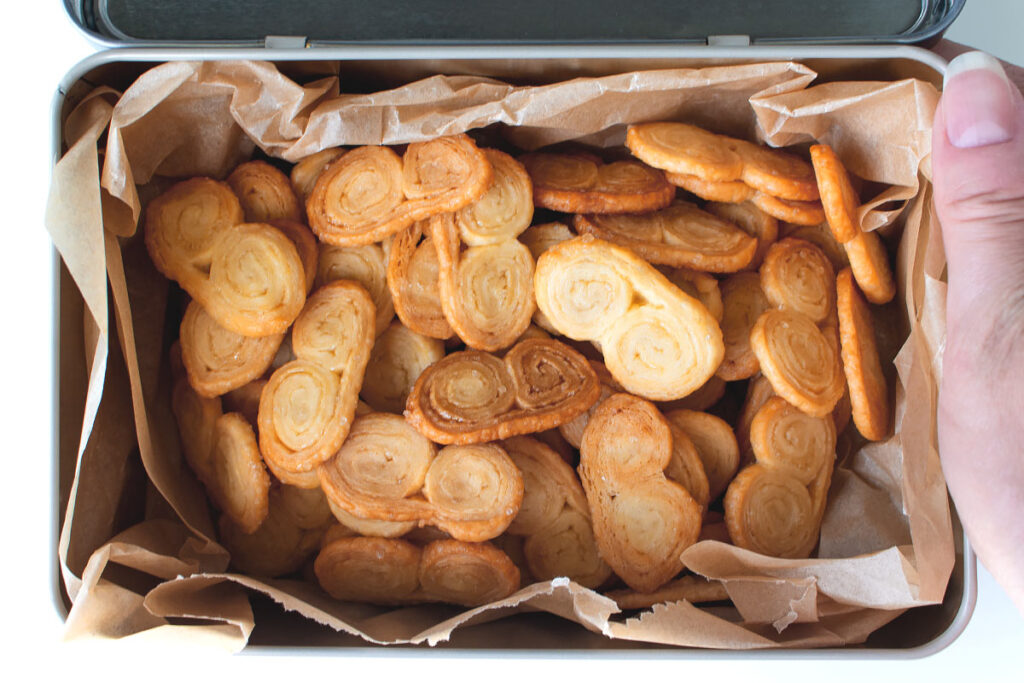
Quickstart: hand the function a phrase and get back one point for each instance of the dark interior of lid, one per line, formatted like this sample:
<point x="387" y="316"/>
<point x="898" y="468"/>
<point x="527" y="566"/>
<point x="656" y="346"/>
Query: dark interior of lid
<point x="523" y="21"/>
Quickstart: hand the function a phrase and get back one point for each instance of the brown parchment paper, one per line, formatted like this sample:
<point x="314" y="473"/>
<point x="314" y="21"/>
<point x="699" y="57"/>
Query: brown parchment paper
<point x="886" y="543"/>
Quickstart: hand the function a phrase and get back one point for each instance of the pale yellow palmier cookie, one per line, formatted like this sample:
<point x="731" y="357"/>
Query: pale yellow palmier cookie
<point x="398" y="358"/>
<point x="682" y="148"/>
<point x="715" y="444"/>
<point x="680" y="235"/>
<point x="572" y="431"/>
<point x="307" y="407"/>
<point x="797" y="275"/>
<point x="218" y="360"/>
<point x="363" y="526"/>
<point x="474" y="397"/>
<point x="743" y="302"/>
<point x="255" y="284"/>
<point x="686" y="466"/>
<point x="643" y="521"/>
<point x="182" y="224"/>
<point x="657" y="341"/>
<point x="799" y="361"/>
<point x="576" y="184"/>
<point x="554" y="517"/>
<point x="868" y="390"/>
<point x="306" y="171"/>
<point x="413" y="280"/>
<point x="368" y="266"/>
<point x="264" y="192"/>
<point x="486" y="292"/>
<point x="753" y="221"/>
<point x="542" y="236"/>
<point x="505" y="209"/>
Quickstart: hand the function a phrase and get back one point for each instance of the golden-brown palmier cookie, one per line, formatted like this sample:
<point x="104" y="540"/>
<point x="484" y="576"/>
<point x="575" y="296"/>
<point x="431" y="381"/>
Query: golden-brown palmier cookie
<point x="306" y="171"/>
<point x="467" y="574"/>
<point x="572" y="430"/>
<point x="371" y="527"/>
<point x="245" y="400"/>
<point x="776" y="173"/>
<point x="375" y="570"/>
<point x="182" y="224"/>
<point x="197" y="420"/>
<point x="870" y="266"/>
<point x="715" y="444"/>
<point x="791" y="211"/>
<point x="703" y="398"/>
<point x="743" y="302"/>
<point x="731" y="191"/>
<point x="680" y="235"/>
<point x="505" y="209"/>
<point x="249" y="279"/>
<point x="686" y="467"/>
<point x="792" y="441"/>
<point x="642" y="520"/>
<point x="775" y="506"/>
<point x="308" y="404"/>
<point x="657" y="342"/>
<point x="838" y="198"/>
<point x="700" y="286"/>
<point x="554" y="517"/>
<point x="473" y="397"/>
<point x="798" y="276"/>
<point x="486" y="291"/>
<point x="367" y="265"/>
<point x="413" y="280"/>
<point x="306" y="508"/>
<point x="264" y="192"/>
<point x="799" y="361"/>
<point x="370" y="193"/>
<point x="574" y="184"/>
<point x="686" y="149"/>
<point x="218" y="360"/>
<point x="869" y="395"/>
<point x="753" y="221"/>
<point x="398" y="358"/>
<point x="305" y="243"/>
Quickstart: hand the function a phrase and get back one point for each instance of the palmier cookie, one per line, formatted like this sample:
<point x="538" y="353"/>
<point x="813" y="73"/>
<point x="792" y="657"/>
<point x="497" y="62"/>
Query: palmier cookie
<point x="474" y="397"/>
<point x="642" y="520"/>
<point x="797" y="275"/>
<point x="743" y="302"/>
<point x="839" y="199"/>
<point x="799" y="361"/>
<point x="657" y="342"/>
<point x="371" y="193"/>
<point x="680" y="235"/>
<point x="264" y="192"/>
<point x="576" y="184"/>
<point x="775" y="505"/>
<point x="307" y="407"/>
<point x="413" y="280"/>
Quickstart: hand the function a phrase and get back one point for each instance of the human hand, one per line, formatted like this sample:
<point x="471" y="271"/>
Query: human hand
<point x="978" y="169"/>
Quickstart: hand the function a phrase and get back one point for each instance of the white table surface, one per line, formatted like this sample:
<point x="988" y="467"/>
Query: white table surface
<point x="42" y="46"/>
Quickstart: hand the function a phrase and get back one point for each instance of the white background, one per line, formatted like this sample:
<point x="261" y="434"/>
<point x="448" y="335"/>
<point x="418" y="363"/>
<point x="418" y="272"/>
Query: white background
<point x="41" y="46"/>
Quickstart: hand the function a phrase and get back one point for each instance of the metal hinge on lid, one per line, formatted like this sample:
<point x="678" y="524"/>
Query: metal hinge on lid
<point x="285" y="42"/>
<point x="729" y="41"/>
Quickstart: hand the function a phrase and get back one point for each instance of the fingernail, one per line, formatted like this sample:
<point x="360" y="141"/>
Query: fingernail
<point x="977" y="102"/>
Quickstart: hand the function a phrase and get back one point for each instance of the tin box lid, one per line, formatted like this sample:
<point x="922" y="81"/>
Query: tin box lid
<point x="425" y="22"/>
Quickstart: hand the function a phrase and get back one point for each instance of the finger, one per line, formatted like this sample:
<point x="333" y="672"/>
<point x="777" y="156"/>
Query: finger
<point x="947" y="49"/>
<point x="978" y="162"/>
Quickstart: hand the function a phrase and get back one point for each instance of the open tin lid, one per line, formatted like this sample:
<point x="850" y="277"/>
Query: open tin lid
<point x="118" y="23"/>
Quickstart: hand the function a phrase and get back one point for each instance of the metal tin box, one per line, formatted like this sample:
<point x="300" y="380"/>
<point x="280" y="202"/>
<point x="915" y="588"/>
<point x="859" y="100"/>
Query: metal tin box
<point x="537" y="41"/>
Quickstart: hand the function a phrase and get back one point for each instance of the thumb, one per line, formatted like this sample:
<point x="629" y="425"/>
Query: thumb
<point x="978" y="177"/>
